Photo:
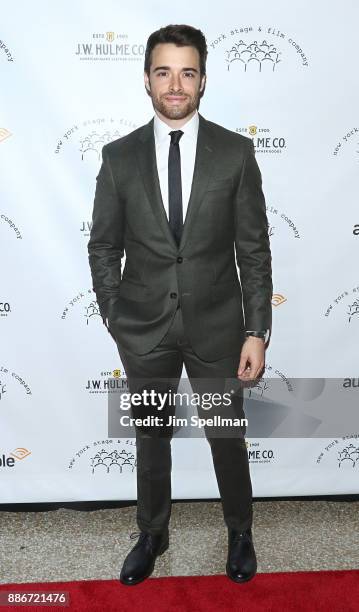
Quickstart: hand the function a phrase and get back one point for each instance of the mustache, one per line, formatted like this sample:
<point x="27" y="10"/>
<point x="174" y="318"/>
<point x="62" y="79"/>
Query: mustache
<point x="175" y="93"/>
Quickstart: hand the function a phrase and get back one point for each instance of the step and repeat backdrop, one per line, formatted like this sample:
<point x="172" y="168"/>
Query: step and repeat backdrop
<point x="282" y="74"/>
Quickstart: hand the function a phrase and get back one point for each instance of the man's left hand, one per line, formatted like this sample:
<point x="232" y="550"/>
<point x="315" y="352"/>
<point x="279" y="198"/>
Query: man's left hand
<point x="252" y="358"/>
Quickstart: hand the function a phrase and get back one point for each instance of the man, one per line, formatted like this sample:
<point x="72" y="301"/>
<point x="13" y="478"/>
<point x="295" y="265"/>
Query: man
<point x="182" y="197"/>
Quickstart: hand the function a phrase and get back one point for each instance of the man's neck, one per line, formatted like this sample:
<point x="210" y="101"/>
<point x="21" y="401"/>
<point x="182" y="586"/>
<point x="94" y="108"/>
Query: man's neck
<point x="175" y="124"/>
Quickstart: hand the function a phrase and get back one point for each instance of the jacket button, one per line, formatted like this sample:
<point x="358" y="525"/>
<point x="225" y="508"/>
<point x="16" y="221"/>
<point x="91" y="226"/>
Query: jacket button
<point x="173" y="295"/>
<point x="179" y="259"/>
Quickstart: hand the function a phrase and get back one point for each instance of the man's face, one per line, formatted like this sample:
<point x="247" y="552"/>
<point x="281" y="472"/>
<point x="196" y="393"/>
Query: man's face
<point x="174" y="82"/>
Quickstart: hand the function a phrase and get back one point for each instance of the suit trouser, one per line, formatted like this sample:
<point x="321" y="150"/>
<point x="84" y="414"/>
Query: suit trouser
<point x="154" y="462"/>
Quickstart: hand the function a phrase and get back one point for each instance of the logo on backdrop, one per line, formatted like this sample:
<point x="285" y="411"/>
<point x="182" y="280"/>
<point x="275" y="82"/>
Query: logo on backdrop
<point x="11" y="225"/>
<point x="257" y="454"/>
<point x="85" y="303"/>
<point x="279" y="221"/>
<point x="10" y="460"/>
<point x="5" y="51"/>
<point x="108" y="456"/>
<point x="257" y="49"/>
<point x="5" y="309"/>
<point x="110" y="46"/>
<point x="351" y="383"/>
<point x="108" y="382"/>
<point x="85" y="228"/>
<point x="278" y="299"/>
<point x="263" y="139"/>
<point x="347" y="301"/>
<point x="349" y="143"/>
<point x="344" y="452"/>
<point x="4" y="134"/>
<point x="89" y="136"/>
<point x="9" y="379"/>
<point x="263" y="384"/>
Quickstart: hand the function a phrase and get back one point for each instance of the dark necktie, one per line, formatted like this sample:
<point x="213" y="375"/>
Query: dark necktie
<point x="175" y="212"/>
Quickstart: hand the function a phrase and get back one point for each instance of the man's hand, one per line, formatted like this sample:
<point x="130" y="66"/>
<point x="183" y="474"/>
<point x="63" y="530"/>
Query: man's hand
<point x="252" y="358"/>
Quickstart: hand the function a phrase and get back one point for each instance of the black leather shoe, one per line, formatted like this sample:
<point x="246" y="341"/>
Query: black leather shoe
<point x="140" y="561"/>
<point x="241" y="562"/>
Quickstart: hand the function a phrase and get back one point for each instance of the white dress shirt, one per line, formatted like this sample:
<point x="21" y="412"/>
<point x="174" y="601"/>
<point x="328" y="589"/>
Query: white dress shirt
<point x="187" y="145"/>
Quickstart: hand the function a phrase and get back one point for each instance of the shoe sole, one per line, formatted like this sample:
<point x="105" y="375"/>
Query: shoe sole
<point x="134" y="582"/>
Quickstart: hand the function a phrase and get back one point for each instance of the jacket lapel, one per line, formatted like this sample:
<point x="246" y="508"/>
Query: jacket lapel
<point x="203" y="170"/>
<point x="146" y="157"/>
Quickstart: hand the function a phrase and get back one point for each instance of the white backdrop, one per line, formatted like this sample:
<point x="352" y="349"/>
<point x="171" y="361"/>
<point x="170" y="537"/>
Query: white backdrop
<point x="72" y="80"/>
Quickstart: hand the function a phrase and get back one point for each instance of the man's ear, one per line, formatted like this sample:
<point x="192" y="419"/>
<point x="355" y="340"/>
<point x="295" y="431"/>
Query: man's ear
<point x="147" y="82"/>
<point x="203" y="83"/>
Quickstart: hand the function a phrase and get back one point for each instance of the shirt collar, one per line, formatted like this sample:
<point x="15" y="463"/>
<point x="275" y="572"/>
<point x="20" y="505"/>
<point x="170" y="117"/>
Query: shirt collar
<point x="162" y="129"/>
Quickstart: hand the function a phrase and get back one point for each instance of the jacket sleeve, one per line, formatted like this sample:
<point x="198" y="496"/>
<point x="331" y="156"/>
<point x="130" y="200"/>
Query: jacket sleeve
<point x="106" y="244"/>
<point x="252" y="245"/>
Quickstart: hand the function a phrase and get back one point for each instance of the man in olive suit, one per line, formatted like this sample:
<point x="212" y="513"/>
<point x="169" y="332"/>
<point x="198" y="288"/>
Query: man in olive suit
<point x="182" y="197"/>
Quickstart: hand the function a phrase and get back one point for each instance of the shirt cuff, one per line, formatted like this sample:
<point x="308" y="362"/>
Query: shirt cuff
<point x="264" y="332"/>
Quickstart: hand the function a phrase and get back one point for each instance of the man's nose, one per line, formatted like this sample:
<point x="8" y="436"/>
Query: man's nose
<point x="176" y="84"/>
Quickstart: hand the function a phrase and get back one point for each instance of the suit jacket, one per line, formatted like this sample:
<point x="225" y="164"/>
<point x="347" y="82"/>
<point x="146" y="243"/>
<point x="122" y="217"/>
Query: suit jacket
<point x="225" y="224"/>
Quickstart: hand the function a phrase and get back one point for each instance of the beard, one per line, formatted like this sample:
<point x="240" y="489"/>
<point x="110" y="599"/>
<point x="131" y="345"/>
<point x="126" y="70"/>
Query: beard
<point x="175" y="111"/>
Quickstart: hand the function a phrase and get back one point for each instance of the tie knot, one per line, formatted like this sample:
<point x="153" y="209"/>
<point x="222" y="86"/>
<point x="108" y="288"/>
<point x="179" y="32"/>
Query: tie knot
<point x="175" y="136"/>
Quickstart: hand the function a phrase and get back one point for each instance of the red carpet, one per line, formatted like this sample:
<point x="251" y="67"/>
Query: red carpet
<point x="335" y="591"/>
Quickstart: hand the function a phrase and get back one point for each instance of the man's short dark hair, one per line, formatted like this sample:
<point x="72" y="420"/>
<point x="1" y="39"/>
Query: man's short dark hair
<point x="182" y="36"/>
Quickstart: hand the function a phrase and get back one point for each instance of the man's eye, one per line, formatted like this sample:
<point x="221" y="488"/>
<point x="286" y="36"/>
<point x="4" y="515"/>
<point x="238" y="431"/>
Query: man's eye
<point x="162" y="73"/>
<point x="190" y="74"/>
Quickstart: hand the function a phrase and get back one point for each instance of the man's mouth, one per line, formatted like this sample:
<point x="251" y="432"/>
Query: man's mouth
<point x="175" y="98"/>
